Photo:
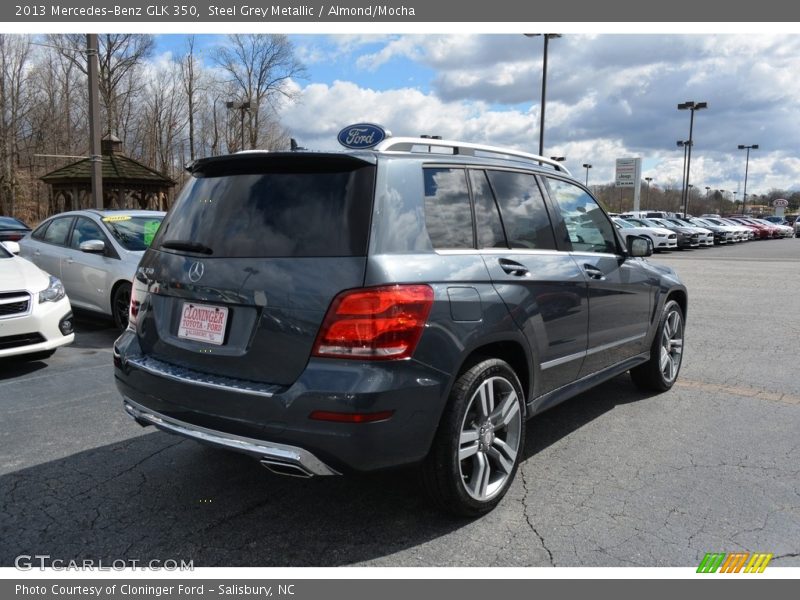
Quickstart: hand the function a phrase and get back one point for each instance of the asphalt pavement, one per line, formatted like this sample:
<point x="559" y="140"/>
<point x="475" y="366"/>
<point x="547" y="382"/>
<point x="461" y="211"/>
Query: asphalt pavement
<point x="613" y="477"/>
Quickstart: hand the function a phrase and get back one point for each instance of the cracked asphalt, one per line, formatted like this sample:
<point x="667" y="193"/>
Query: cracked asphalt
<point x="613" y="477"/>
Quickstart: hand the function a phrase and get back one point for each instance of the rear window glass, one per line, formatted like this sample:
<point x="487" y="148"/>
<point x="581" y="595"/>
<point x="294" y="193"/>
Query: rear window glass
<point x="304" y="209"/>
<point x="11" y="223"/>
<point x="133" y="233"/>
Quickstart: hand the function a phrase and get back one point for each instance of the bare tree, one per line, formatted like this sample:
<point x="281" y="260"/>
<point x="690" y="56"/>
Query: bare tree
<point x="260" y="67"/>
<point x="120" y="59"/>
<point x="14" y="55"/>
<point x="190" y="72"/>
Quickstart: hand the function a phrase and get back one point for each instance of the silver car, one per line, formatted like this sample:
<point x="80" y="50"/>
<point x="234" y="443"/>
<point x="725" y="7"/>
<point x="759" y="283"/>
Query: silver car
<point x="95" y="254"/>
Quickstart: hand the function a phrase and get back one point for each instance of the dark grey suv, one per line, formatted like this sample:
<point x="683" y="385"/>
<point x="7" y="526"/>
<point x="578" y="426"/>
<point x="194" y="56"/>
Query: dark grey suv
<point x="414" y="302"/>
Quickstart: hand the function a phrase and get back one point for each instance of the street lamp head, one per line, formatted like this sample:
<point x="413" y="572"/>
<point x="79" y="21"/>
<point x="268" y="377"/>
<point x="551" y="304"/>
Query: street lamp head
<point x="741" y="146"/>
<point x="229" y="104"/>
<point x="754" y="146"/>
<point x="558" y="158"/>
<point x="692" y="105"/>
<point x="587" y="166"/>
<point x="648" y="179"/>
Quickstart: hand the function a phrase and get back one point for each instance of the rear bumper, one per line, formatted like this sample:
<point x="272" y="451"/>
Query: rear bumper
<point x="272" y="422"/>
<point x="269" y="453"/>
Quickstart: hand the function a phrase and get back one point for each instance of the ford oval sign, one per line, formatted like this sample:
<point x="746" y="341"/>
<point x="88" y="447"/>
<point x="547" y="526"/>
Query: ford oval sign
<point x="361" y="136"/>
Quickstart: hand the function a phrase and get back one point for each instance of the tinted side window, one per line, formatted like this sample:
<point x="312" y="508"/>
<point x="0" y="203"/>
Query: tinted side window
<point x="522" y="208"/>
<point x="85" y="230"/>
<point x="38" y="233"/>
<point x="587" y="225"/>
<point x="448" y="216"/>
<point x="58" y="230"/>
<point x="487" y="218"/>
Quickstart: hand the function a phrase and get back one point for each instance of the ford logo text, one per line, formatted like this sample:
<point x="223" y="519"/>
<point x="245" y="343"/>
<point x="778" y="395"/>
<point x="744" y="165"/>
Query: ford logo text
<point x="361" y="135"/>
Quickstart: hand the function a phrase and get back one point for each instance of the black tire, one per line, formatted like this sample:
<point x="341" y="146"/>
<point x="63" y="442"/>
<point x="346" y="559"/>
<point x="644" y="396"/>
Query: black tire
<point x="474" y="485"/>
<point x="120" y="303"/>
<point x="667" y="345"/>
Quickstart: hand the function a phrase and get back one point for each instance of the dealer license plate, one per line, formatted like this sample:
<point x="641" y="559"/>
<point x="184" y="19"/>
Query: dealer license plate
<point x="203" y="322"/>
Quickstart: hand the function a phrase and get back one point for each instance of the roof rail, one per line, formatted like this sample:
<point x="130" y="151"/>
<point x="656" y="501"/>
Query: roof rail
<point x="405" y="144"/>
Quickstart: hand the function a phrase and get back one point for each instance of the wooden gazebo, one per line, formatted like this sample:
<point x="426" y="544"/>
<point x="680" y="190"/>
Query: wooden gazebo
<point x="127" y="183"/>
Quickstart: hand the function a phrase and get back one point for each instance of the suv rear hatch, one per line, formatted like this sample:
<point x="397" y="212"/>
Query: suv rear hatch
<point x="249" y="258"/>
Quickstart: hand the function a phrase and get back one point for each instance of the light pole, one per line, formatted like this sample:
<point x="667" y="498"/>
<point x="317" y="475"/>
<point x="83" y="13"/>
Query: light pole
<point x="685" y="145"/>
<point x="94" y="122"/>
<point x="688" y="193"/>
<point x="692" y="106"/>
<point x="242" y="107"/>
<point x="746" y="165"/>
<point x="587" y="166"/>
<point x="734" y="200"/>
<point x="647" y="194"/>
<point x="547" y="38"/>
<point x="707" y="189"/>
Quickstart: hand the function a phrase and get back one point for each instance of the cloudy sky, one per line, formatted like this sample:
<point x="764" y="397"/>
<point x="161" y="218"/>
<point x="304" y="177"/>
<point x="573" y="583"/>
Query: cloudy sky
<point x="608" y="96"/>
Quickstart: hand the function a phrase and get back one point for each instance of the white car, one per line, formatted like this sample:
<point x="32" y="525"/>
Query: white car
<point x="35" y="313"/>
<point x="704" y="236"/>
<point x="663" y="239"/>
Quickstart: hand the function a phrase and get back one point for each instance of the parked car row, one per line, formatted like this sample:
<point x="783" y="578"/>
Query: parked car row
<point x="696" y="232"/>
<point x="95" y="254"/>
<point x="84" y="259"/>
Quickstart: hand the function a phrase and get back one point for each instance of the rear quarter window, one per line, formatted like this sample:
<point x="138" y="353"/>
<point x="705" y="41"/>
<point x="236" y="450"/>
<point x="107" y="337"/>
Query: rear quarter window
<point x="448" y="216"/>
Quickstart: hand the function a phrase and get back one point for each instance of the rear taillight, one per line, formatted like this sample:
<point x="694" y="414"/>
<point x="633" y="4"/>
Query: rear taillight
<point x="137" y="295"/>
<point x="378" y="323"/>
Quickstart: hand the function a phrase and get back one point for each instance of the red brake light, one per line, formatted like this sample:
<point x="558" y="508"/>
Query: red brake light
<point x="375" y="323"/>
<point x="340" y="417"/>
<point x="136" y="302"/>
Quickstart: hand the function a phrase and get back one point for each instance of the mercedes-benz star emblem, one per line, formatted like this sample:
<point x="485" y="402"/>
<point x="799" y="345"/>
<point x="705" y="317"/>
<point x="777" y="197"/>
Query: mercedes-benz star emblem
<point x="196" y="271"/>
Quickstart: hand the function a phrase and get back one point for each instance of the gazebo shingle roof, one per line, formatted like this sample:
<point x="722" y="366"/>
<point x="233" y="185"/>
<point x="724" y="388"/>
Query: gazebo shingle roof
<point x="117" y="168"/>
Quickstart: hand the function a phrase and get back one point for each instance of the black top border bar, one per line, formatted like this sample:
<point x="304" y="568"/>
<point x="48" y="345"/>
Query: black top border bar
<point x="397" y="11"/>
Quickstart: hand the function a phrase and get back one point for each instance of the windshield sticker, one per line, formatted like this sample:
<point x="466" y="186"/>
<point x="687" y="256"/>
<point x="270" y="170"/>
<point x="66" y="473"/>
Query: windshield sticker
<point x="116" y="218"/>
<point x="150" y="229"/>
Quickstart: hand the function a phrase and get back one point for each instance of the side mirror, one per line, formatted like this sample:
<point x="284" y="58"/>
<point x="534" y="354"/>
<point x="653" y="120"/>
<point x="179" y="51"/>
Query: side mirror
<point x="12" y="247"/>
<point x="93" y="246"/>
<point x="639" y="246"/>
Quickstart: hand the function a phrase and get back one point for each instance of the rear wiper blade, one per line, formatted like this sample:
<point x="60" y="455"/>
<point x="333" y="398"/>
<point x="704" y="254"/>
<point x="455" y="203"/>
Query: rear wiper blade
<point x="187" y="245"/>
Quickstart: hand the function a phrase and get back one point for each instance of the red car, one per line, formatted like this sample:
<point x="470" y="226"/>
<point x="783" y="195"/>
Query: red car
<point x="763" y="232"/>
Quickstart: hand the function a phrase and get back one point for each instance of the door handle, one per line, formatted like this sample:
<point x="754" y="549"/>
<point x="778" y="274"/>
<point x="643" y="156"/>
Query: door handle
<point x="513" y="268"/>
<point x="594" y="273"/>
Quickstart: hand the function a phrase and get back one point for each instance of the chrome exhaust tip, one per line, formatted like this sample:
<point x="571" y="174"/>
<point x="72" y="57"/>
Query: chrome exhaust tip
<point x="284" y="468"/>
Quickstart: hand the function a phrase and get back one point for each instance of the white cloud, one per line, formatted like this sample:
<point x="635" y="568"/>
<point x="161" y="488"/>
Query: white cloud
<point x="608" y="96"/>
